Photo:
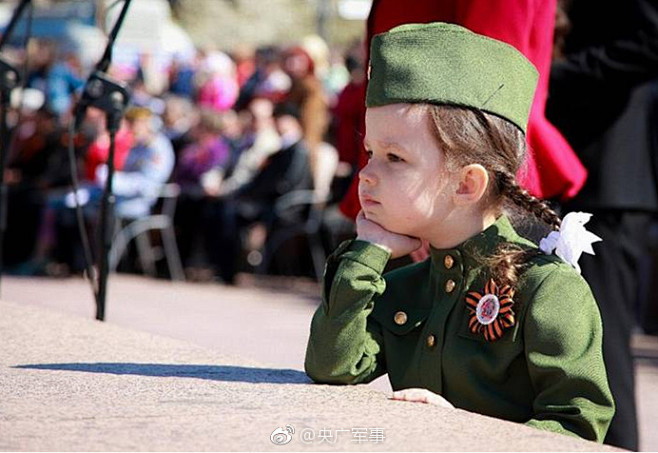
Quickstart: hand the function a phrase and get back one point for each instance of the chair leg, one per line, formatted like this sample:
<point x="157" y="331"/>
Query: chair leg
<point x="120" y="241"/>
<point x="272" y="244"/>
<point x="318" y="254"/>
<point x="172" y="255"/>
<point x="145" y="252"/>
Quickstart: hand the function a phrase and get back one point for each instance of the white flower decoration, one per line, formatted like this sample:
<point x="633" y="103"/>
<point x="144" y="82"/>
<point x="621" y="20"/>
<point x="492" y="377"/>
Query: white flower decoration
<point x="572" y="240"/>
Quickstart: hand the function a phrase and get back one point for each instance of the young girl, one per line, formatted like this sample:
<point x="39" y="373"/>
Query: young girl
<point x="489" y="323"/>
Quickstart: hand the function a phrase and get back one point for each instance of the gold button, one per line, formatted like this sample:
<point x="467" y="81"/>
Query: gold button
<point x="448" y="261"/>
<point x="400" y="318"/>
<point x="431" y="341"/>
<point x="450" y="285"/>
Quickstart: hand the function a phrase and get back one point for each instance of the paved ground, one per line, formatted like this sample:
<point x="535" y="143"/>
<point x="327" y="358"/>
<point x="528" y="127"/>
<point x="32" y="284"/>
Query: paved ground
<point x="72" y="368"/>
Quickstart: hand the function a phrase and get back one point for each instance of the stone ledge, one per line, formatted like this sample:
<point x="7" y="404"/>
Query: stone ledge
<point x="72" y="384"/>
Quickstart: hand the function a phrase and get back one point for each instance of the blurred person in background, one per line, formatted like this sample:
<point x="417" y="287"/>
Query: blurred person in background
<point x="136" y="186"/>
<point x="209" y="151"/>
<point x="56" y="77"/>
<point x="182" y="73"/>
<point x="349" y="118"/>
<point x="179" y="119"/>
<point x="99" y="149"/>
<point x="307" y="95"/>
<point x="36" y="139"/>
<point x="147" y="167"/>
<point x="604" y="99"/>
<point x="151" y="76"/>
<point x="283" y="171"/>
<point x="260" y="140"/>
<point x="245" y="63"/>
<point x="336" y="78"/>
<point x="217" y="82"/>
<point x="552" y="170"/>
<point x="268" y="80"/>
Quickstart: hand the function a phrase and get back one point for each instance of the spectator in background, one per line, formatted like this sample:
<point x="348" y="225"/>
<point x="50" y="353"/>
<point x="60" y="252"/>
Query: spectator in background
<point x="268" y="80"/>
<point x="99" y="149"/>
<point x="209" y="152"/>
<point x="261" y="140"/>
<point x="233" y="133"/>
<point x="218" y="85"/>
<point x="553" y="170"/>
<point x="604" y="99"/>
<point x="54" y="77"/>
<point x="181" y="78"/>
<point x="349" y="117"/>
<point x="336" y="78"/>
<point x="307" y="95"/>
<point x="151" y="76"/>
<point x="179" y="119"/>
<point x="36" y="140"/>
<point x="318" y="50"/>
<point x="245" y="63"/>
<point x="287" y="169"/>
<point x="284" y="171"/>
<point x="146" y="169"/>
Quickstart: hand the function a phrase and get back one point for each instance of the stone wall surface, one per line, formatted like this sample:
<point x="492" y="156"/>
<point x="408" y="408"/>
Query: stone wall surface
<point x="71" y="384"/>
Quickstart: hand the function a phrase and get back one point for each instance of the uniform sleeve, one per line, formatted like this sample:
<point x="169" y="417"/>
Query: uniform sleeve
<point x="346" y="345"/>
<point x="563" y="337"/>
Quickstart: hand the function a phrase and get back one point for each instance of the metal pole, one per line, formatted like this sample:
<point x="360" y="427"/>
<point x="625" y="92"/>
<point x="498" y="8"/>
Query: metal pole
<point x="12" y="22"/>
<point x="106" y="231"/>
<point x="4" y="143"/>
<point x="9" y="79"/>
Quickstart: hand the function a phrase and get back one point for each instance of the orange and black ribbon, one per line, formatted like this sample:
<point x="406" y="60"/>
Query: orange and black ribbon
<point x="505" y="318"/>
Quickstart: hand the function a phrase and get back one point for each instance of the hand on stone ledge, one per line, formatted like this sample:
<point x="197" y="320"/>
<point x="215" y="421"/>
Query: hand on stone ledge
<point x="419" y="395"/>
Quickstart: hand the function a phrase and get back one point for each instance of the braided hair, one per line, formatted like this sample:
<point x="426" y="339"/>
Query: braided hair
<point x="469" y="136"/>
<point x="509" y="188"/>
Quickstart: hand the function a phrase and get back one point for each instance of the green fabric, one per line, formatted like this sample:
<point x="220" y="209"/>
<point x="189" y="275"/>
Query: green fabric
<point x="441" y="63"/>
<point x="546" y="371"/>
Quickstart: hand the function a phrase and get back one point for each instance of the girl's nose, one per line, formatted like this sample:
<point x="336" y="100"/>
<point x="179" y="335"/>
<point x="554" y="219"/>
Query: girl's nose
<point x="366" y="175"/>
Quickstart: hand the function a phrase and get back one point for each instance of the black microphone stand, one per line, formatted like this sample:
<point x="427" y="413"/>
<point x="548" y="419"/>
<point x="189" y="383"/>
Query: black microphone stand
<point x="111" y="97"/>
<point x="9" y="79"/>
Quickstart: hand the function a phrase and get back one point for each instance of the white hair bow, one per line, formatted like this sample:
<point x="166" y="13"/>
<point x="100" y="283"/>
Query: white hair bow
<point x="572" y="240"/>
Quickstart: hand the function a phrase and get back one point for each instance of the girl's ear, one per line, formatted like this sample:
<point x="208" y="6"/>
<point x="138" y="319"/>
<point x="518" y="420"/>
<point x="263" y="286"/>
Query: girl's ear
<point x="472" y="184"/>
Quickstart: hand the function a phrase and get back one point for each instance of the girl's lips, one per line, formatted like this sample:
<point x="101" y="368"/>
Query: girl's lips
<point x="367" y="201"/>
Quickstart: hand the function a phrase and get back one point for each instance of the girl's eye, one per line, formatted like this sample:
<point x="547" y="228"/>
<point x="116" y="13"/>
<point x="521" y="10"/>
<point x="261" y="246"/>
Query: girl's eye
<point x="394" y="158"/>
<point x="369" y="154"/>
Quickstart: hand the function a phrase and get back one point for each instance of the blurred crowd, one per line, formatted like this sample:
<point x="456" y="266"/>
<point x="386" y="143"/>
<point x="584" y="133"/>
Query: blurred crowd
<point x="257" y="146"/>
<point x="236" y="133"/>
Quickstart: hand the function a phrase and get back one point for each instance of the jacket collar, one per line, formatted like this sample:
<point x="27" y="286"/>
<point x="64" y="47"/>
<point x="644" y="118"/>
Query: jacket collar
<point x="469" y="253"/>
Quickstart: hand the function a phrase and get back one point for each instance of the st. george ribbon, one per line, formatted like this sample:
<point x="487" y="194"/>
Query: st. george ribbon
<point x="112" y="97"/>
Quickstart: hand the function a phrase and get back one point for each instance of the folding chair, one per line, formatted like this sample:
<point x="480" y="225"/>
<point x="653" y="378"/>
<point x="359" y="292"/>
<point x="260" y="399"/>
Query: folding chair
<point x="316" y="200"/>
<point x="139" y="230"/>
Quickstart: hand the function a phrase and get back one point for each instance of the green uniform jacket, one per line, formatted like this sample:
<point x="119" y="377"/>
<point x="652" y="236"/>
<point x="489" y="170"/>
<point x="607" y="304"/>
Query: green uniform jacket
<point x="546" y="370"/>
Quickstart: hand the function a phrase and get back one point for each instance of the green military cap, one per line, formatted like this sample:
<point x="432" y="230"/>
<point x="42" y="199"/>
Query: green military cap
<point x="440" y="63"/>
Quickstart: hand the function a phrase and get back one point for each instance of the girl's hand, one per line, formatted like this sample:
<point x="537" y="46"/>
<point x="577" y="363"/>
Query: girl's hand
<point x="398" y="244"/>
<point x="418" y="395"/>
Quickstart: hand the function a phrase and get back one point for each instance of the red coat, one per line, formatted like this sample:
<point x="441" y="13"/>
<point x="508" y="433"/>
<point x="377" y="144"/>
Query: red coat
<point x="99" y="151"/>
<point x="553" y="169"/>
<point x="349" y="114"/>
